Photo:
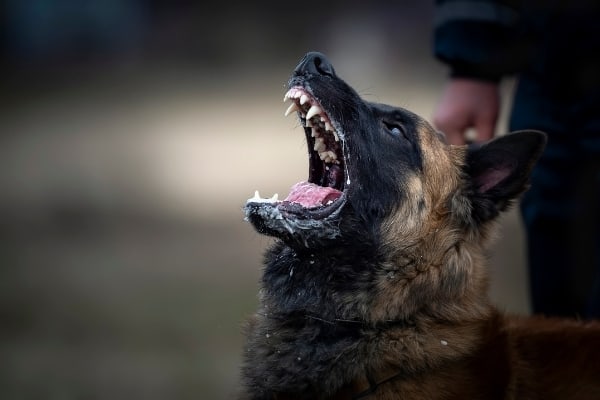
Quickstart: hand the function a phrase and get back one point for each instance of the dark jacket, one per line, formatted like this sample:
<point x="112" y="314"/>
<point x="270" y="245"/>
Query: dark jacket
<point x="553" y="45"/>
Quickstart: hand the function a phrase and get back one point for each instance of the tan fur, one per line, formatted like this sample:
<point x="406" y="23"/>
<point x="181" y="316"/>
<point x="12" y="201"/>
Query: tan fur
<point x="540" y="358"/>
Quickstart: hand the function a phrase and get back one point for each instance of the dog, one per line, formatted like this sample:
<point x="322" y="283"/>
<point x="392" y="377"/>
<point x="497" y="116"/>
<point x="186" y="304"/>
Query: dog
<point x="376" y="284"/>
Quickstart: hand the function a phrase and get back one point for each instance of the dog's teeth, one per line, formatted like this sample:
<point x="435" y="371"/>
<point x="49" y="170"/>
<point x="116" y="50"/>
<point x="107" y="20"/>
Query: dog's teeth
<point x="293" y="107"/>
<point x="258" y="199"/>
<point x="289" y="94"/>
<point x="255" y="198"/>
<point x="314" y="110"/>
<point x="303" y="99"/>
<point x="335" y="135"/>
<point x="325" y="156"/>
<point x="328" y="157"/>
<point x="328" y="126"/>
<point x="320" y="145"/>
<point x="309" y="123"/>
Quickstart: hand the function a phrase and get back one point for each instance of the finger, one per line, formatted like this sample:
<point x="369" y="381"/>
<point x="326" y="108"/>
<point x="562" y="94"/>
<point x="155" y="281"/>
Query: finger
<point x="452" y="123"/>
<point x="455" y="136"/>
<point x="454" y="133"/>
<point x="484" y="129"/>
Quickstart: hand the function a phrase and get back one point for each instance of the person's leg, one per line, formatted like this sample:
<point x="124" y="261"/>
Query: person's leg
<point x="560" y="210"/>
<point x="590" y="194"/>
<point x="557" y="272"/>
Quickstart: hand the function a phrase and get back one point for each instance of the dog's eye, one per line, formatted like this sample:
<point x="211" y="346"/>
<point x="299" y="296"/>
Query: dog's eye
<point x="395" y="129"/>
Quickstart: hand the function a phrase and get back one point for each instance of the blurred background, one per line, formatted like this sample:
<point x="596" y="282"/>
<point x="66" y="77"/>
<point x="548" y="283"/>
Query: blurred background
<point x="131" y="134"/>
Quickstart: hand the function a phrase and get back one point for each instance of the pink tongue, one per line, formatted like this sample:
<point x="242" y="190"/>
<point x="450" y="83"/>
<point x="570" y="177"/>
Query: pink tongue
<point x="311" y="195"/>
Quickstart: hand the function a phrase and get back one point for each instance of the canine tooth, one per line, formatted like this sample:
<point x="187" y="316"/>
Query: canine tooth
<point x="258" y="199"/>
<point x="293" y="107"/>
<point x="309" y="123"/>
<point x="255" y="199"/>
<point x="335" y="135"/>
<point x="303" y="99"/>
<point x="332" y="155"/>
<point x="314" y="110"/>
<point x="328" y="126"/>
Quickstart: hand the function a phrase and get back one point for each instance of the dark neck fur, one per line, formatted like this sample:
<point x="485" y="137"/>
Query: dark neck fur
<point x="311" y="334"/>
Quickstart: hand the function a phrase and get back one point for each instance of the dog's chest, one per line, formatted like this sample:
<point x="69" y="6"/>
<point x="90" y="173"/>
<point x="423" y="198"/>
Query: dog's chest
<point x="302" y="356"/>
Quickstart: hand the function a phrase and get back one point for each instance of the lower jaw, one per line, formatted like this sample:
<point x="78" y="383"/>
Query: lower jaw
<point x="292" y="222"/>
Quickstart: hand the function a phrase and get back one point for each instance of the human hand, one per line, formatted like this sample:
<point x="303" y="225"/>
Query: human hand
<point x="465" y="104"/>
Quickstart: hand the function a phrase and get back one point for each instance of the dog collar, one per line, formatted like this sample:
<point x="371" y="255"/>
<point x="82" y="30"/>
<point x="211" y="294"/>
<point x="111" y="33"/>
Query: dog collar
<point x="374" y="385"/>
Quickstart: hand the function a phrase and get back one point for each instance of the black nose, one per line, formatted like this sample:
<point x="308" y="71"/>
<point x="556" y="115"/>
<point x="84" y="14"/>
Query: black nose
<point x="315" y="63"/>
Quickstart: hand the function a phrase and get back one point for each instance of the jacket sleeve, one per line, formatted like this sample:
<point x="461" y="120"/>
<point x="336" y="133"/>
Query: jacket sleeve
<point x="479" y="38"/>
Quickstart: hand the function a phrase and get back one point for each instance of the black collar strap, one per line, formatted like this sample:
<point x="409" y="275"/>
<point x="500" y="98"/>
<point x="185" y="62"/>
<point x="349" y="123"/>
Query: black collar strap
<point x="373" y="385"/>
<point x="383" y="325"/>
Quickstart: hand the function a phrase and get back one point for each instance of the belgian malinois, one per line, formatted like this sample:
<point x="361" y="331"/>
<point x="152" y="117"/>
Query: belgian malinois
<point x="376" y="286"/>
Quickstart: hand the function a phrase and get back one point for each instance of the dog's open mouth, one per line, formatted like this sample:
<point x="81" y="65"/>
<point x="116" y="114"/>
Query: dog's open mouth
<point x="323" y="194"/>
<point x="326" y="174"/>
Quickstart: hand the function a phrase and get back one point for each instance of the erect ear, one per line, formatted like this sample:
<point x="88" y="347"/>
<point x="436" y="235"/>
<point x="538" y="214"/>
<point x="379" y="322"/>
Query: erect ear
<point x="499" y="171"/>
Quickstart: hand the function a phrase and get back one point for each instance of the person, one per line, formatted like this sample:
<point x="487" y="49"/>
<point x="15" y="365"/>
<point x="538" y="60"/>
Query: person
<point x="553" y="49"/>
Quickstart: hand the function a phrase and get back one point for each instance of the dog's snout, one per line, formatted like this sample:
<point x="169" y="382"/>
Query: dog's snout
<point x="315" y="63"/>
